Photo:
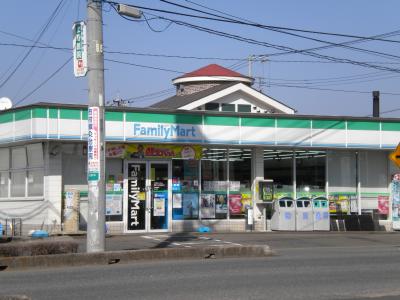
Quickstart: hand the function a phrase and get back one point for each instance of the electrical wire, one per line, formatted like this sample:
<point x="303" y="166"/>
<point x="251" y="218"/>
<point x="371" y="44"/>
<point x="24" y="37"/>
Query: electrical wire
<point x="44" y="82"/>
<point x="40" y="58"/>
<point x="247" y="22"/>
<point x="143" y="66"/>
<point x="252" y="41"/>
<point x="47" y="25"/>
<point x="332" y="90"/>
<point x="230" y="20"/>
<point x="279" y="29"/>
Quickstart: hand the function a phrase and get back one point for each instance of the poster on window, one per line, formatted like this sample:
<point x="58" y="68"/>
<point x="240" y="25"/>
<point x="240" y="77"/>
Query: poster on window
<point x="176" y="200"/>
<point x="207" y="208"/>
<point x="221" y="204"/>
<point x="246" y="202"/>
<point x="235" y="204"/>
<point x="383" y="205"/>
<point x="190" y="203"/>
<point x="113" y="204"/>
<point x="159" y="204"/>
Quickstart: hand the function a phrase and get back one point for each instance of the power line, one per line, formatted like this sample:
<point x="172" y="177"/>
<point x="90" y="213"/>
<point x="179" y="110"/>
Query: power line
<point x="45" y="81"/>
<point x="50" y="20"/>
<point x="297" y="29"/>
<point x="143" y="66"/>
<point x="151" y="95"/>
<point x="279" y="47"/>
<point x="279" y="29"/>
<point x="39" y="59"/>
<point x="332" y="90"/>
<point x="252" y="41"/>
<point x="230" y="20"/>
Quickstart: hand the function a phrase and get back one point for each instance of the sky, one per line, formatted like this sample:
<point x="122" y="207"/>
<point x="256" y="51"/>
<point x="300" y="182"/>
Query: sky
<point x="312" y="84"/>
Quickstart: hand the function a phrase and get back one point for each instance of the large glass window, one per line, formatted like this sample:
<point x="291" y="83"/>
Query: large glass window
<point x="185" y="189"/>
<point x="22" y="171"/>
<point x="214" y="184"/>
<point x="278" y="166"/>
<point x="342" y="179"/>
<point x="310" y="173"/>
<point x="240" y="194"/>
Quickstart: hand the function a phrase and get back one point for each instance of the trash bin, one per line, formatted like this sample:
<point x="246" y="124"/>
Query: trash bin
<point x="283" y="215"/>
<point x="304" y="214"/>
<point x="321" y="216"/>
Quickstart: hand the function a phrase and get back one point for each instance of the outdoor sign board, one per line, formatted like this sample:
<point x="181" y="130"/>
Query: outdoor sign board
<point x="79" y="49"/>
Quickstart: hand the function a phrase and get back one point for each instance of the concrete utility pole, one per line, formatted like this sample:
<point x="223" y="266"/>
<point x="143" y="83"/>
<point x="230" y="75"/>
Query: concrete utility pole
<point x="96" y="126"/>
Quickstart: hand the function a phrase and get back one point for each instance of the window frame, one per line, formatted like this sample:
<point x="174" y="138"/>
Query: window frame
<point x="26" y="171"/>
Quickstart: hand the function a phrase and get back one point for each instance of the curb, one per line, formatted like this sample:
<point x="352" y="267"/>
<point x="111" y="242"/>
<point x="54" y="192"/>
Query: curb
<point x="127" y="256"/>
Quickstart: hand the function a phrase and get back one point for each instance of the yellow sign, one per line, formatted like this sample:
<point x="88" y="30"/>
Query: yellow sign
<point x="142" y="151"/>
<point x="395" y="156"/>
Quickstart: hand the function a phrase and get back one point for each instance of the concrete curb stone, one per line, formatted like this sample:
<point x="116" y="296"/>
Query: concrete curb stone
<point x="127" y="256"/>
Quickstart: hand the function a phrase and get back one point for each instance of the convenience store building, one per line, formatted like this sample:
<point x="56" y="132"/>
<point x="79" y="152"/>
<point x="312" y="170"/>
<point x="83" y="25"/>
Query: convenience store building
<point x="173" y="169"/>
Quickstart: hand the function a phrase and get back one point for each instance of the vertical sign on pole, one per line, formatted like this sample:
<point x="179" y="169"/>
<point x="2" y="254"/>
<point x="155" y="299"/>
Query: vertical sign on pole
<point x="93" y="144"/>
<point x="79" y="49"/>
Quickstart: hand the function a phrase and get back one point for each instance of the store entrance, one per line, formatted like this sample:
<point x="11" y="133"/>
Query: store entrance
<point x="147" y="196"/>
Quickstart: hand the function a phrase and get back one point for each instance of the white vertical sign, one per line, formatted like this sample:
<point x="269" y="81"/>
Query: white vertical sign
<point x="79" y="49"/>
<point x="93" y="144"/>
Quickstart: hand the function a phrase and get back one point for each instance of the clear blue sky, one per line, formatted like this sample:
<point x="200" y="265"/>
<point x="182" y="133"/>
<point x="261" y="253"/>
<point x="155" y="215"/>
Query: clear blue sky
<point x="26" y="18"/>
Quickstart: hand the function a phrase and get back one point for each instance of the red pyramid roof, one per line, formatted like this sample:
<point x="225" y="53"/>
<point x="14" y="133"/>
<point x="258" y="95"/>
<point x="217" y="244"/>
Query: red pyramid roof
<point x="212" y="70"/>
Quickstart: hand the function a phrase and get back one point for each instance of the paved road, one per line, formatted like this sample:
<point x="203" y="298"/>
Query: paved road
<point x="337" y="266"/>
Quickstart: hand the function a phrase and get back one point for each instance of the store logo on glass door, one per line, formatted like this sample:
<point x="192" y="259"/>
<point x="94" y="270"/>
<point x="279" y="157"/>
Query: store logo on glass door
<point x="164" y="131"/>
<point x="136" y="198"/>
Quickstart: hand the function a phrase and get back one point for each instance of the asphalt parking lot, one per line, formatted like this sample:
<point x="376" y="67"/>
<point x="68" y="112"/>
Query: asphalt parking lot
<point x="276" y="240"/>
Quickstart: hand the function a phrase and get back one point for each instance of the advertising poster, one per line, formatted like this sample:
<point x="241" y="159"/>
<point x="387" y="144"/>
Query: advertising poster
<point x="140" y="151"/>
<point x="246" y="202"/>
<point x="176" y="200"/>
<point x="235" y="204"/>
<point x="113" y="204"/>
<point x="207" y="208"/>
<point x="190" y="204"/>
<point x="383" y="205"/>
<point x="159" y="204"/>
<point x="221" y="204"/>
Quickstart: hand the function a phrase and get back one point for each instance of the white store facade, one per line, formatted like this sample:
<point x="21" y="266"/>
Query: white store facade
<point x="191" y="168"/>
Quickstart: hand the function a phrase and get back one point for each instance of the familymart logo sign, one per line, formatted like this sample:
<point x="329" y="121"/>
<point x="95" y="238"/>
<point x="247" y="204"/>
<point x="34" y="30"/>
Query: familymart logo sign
<point x="165" y="132"/>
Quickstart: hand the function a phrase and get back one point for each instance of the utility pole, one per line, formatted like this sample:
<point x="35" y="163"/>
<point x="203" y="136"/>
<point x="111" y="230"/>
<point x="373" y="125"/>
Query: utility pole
<point x="250" y="62"/>
<point x="96" y="125"/>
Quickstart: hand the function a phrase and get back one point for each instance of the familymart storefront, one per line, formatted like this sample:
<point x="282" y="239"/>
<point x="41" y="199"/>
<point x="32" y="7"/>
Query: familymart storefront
<point x="179" y="171"/>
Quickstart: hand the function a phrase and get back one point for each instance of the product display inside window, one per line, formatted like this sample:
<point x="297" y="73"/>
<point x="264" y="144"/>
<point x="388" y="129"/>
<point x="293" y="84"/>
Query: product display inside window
<point x="278" y="166"/>
<point x="185" y="189"/>
<point x="240" y="195"/>
<point x="310" y="173"/>
<point x="214" y="184"/>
